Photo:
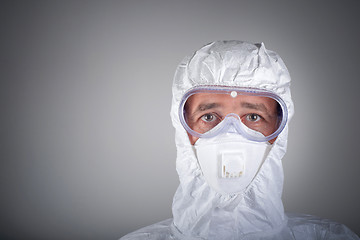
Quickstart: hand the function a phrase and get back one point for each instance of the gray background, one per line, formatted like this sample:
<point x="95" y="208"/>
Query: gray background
<point x="87" y="145"/>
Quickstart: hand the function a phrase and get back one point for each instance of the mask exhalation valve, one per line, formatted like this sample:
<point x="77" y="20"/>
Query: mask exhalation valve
<point x="232" y="165"/>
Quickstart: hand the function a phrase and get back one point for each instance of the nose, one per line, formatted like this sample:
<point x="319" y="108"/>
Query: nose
<point x="233" y="123"/>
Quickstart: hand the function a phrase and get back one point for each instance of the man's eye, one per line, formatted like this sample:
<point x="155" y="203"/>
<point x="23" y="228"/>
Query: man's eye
<point x="208" y="117"/>
<point x="253" y="117"/>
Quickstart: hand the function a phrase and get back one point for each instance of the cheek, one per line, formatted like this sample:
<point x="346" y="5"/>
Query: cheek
<point x="268" y="131"/>
<point x="271" y="127"/>
<point x="192" y="138"/>
<point x="272" y="140"/>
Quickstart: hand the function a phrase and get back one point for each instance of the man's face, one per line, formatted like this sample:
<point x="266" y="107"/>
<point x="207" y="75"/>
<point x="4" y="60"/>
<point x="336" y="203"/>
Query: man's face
<point x="205" y="110"/>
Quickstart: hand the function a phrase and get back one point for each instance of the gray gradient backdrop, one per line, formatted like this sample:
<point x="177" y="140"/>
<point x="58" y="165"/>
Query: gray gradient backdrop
<point x="87" y="145"/>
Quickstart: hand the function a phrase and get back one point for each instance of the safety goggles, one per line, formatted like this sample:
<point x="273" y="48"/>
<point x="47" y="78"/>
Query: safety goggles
<point x="207" y="111"/>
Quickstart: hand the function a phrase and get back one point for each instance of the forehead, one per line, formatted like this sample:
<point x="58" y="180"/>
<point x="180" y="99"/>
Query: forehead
<point x="227" y="101"/>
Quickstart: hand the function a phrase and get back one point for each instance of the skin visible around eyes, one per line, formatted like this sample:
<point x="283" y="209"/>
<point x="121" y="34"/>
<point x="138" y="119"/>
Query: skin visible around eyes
<point x="256" y="106"/>
<point x="220" y="105"/>
<point x="205" y="106"/>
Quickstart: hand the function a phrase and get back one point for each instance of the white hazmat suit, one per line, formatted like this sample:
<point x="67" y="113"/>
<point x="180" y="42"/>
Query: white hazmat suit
<point x="200" y="212"/>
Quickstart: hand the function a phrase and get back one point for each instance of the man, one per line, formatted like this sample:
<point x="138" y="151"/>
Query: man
<point x="231" y="108"/>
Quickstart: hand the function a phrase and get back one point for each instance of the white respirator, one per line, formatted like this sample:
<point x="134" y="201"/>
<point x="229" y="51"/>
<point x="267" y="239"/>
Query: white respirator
<point x="229" y="161"/>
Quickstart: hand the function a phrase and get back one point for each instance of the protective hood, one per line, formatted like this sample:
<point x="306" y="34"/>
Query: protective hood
<point x="199" y="211"/>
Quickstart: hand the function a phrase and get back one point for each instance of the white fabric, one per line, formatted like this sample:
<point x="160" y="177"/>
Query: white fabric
<point x="257" y="212"/>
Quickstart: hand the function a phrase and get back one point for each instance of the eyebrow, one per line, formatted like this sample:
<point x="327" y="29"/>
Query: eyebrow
<point x="255" y="106"/>
<point x="206" y="106"/>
